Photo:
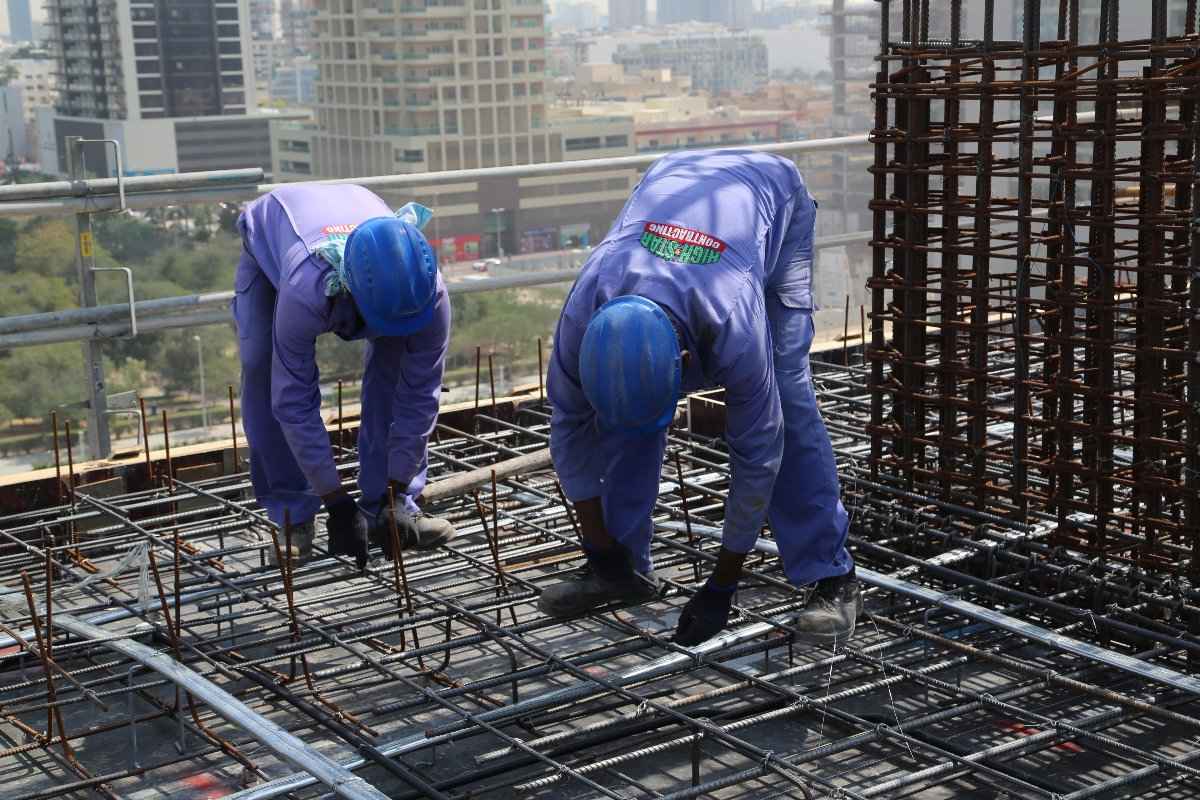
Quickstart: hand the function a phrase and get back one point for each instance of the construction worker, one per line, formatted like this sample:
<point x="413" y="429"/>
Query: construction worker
<point x="335" y="259"/>
<point x="704" y="280"/>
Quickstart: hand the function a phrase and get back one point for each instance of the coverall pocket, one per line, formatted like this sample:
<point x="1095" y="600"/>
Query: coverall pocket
<point x="794" y="287"/>
<point x="792" y="332"/>
<point x="244" y="281"/>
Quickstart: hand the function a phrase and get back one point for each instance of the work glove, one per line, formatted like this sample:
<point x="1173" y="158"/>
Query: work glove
<point x="347" y="530"/>
<point x="705" y="615"/>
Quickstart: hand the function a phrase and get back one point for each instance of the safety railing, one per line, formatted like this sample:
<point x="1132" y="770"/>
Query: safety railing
<point x="83" y="198"/>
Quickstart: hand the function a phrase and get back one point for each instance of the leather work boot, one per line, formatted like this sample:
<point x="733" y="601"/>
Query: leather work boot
<point x="416" y="531"/>
<point x="302" y="543"/>
<point x="832" y="610"/>
<point x="608" y="577"/>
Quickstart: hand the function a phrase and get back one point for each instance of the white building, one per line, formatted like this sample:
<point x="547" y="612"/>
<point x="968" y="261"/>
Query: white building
<point x="171" y="82"/>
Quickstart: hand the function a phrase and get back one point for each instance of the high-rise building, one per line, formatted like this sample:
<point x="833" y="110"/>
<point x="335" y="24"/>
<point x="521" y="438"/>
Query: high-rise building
<point x="20" y="21"/>
<point x="165" y="78"/>
<point x="262" y="19"/>
<point x="715" y="62"/>
<point x="626" y="14"/>
<point x="37" y="78"/>
<point x="36" y="74"/>
<point x="294" y="83"/>
<point x="296" y="20"/>
<point x="431" y="84"/>
<point x="426" y="85"/>
<point x="13" y="131"/>
<point x="265" y="50"/>
<point x="731" y="13"/>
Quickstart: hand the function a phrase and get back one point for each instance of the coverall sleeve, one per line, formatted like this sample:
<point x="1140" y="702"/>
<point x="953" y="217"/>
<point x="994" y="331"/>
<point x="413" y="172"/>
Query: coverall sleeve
<point x="418" y="393"/>
<point x="754" y="419"/>
<point x="295" y="392"/>
<point x="574" y="440"/>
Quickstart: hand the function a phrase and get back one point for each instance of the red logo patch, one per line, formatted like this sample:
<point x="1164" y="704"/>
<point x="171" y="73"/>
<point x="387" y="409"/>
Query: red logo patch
<point x="347" y="229"/>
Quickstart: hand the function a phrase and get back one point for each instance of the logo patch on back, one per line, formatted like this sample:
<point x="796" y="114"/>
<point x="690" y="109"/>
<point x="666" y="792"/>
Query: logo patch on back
<point x="681" y="245"/>
<point x="339" y="233"/>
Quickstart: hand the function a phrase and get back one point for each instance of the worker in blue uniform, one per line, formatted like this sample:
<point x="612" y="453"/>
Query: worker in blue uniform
<point x="335" y="259"/>
<point x="704" y="280"/>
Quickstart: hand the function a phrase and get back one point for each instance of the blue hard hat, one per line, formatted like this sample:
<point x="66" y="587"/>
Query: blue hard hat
<point x="392" y="274"/>
<point x="630" y="365"/>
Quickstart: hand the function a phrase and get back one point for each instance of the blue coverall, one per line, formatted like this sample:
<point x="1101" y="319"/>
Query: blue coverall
<point x="723" y="242"/>
<point x="280" y="308"/>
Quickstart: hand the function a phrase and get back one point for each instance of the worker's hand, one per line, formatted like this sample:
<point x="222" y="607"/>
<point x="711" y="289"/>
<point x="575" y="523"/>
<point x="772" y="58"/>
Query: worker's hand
<point x="704" y="616"/>
<point x="347" y="529"/>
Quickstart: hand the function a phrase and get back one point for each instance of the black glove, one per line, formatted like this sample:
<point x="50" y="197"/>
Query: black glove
<point x="347" y="530"/>
<point x="704" y="616"/>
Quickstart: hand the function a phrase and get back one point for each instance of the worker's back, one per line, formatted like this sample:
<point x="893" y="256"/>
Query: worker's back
<point x="282" y="229"/>
<point x="702" y="236"/>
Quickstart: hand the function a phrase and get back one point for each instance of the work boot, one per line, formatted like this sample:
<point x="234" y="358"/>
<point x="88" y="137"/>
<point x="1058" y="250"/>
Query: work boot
<point x="416" y="531"/>
<point x="608" y="577"/>
<point x="302" y="543"/>
<point x="832" y="610"/>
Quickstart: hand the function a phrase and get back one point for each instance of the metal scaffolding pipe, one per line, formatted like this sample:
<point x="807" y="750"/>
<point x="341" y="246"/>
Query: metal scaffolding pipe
<point x="291" y="749"/>
<point x="1011" y="624"/>
<point x="212" y="308"/>
<point x="68" y="198"/>
<point x="138" y="184"/>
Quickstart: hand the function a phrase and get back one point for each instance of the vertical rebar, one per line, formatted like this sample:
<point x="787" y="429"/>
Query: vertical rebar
<point x="541" y="388"/>
<point x="70" y="463"/>
<point x="53" y="712"/>
<point x="492" y="384"/>
<point x="341" y="439"/>
<point x="233" y="430"/>
<point x="60" y="490"/>
<point x="167" y="453"/>
<point x="687" y="516"/>
<point x="478" y="362"/>
<point x="401" y="574"/>
<point x="1027" y="144"/>
<point x="146" y="441"/>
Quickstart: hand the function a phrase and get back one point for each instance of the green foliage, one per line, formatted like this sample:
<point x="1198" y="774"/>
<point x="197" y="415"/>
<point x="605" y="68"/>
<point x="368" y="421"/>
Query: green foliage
<point x="506" y="323"/>
<point x="174" y="358"/>
<point x="36" y="379"/>
<point x="32" y="292"/>
<point x="339" y="360"/>
<point x="176" y="251"/>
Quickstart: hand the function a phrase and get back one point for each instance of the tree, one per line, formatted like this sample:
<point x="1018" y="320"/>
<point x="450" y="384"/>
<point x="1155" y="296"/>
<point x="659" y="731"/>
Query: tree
<point x="47" y="246"/>
<point x="32" y="293"/>
<point x="175" y="358"/>
<point x="131" y="240"/>
<point x="34" y="380"/>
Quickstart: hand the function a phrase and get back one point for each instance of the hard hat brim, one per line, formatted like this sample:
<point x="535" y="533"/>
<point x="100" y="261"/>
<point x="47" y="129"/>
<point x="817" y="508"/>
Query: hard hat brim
<point x="404" y="326"/>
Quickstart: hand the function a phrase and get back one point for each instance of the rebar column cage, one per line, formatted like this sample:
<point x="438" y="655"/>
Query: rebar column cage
<point x="1034" y="291"/>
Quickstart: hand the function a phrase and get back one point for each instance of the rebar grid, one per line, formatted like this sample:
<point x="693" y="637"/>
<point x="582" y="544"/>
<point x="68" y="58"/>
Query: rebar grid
<point x="1037" y="234"/>
<point x="438" y="677"/>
